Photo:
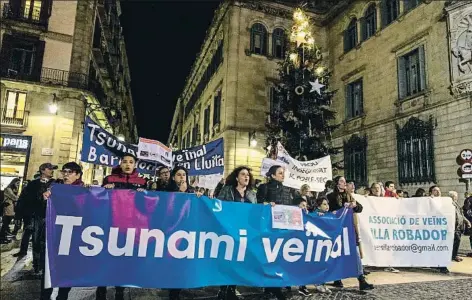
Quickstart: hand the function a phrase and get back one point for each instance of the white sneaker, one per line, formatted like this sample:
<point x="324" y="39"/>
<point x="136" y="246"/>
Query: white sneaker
<point x="392" y="270"/>
<point x="323" y="289"/>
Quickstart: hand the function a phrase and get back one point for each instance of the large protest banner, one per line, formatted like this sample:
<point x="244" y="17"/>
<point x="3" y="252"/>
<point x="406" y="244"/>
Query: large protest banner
<point x="102" y="148"/>
<point x="315" y="172"/>
<point x="202" y="160"/>
<point x="411" y="232"/>
<point x="100" y="237"/>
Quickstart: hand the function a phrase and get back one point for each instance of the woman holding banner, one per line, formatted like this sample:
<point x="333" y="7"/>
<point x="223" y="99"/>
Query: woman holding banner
<point x="238" y="188"/>
<point x="274" y="192"/>
<point x="337" y="200"/>
<point x="179" y="182"/>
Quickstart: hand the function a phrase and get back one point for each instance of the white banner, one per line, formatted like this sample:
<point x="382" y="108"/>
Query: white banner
<point x="208" y="181"/>
<point x="154" y="151"/>
<point x="407" y="232"/>
<point x="315" y="172"/>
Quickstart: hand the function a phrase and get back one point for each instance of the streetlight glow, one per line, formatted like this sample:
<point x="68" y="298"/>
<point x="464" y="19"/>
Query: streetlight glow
<point x="53" y="108"/>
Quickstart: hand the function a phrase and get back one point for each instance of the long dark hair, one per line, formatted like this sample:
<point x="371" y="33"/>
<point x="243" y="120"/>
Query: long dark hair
<point x="12" y="184"/>
<point x="272" y="171"/>
<point x="232" y="177"/>
<point x="173" y="186"/>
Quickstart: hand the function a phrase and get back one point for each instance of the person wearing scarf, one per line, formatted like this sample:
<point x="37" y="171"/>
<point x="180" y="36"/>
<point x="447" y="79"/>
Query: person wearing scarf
<point x="72" y="175"/>
<point x="337" y="200"/>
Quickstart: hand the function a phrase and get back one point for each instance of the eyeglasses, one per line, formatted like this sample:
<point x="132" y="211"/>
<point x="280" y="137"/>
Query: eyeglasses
<point x="165" y="172"/>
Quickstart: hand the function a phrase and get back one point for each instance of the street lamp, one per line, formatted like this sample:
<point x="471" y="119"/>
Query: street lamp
<point x="53" y="105"/>
<point x="252" y="139"/>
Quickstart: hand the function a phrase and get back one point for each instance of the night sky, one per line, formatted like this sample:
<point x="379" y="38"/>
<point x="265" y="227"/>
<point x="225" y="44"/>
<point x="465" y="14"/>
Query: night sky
<point x="162" y="41"/>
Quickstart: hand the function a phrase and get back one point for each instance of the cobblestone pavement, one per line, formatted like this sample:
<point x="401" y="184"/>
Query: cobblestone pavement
<point x="19" y="283"/>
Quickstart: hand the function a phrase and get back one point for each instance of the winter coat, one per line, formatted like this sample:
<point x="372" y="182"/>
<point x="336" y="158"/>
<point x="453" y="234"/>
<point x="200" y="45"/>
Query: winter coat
<point x="31" y="202"/>
<point x="125" y="181"/>
<point x="274" y="191"/>
<point x="467" y="208"/>
<point x="227" y="193"/>
<point x="460" y="218"/>
<point x="10" y="199"/>
<point x="337" y="199"/>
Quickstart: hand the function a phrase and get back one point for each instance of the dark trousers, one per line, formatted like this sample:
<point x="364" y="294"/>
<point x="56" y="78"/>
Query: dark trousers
<point x="27" y="233"/>
<point x="470" y="240"/>
<point x="6" y="220"/>
<point x="456" y="244"/>
<point x="39" y="242"/>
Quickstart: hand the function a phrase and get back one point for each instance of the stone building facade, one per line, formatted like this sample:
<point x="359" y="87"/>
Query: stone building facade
<point x="401" y="70"/>
<point x="61" y="61"/>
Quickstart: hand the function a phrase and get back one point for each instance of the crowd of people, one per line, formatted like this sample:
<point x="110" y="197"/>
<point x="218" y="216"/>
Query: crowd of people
<point x="29" y="208"/>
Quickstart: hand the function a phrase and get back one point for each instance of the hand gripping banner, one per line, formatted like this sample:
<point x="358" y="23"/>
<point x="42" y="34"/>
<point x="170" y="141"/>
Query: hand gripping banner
<point x="99" y="237"/>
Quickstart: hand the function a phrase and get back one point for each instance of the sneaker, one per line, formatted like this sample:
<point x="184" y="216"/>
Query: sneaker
<point x="19" y="254"/>
<point x="323" y="289"/>
<point x="365" y="286"/>
<point x="392" y="270"/>
<point x="338" y="284"/>
<point x="303" y="291"/>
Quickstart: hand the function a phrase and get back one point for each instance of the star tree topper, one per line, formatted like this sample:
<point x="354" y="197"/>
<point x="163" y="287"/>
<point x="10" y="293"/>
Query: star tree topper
<point x="316" y="86"/>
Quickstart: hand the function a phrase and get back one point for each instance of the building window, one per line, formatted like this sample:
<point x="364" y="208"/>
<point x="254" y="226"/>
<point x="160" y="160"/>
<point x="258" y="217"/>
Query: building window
<point x="14" y="108"/>
<point x="194" y="135"/>
<point x="416" y="152"/>
<point x="350" y="36"/>
<point x="278" y="43"/>
<point x="216" y="108"/>
<point x="22" y="59"/>
<point x="410" y="4"/>
<point x="355" y="160"/>
<point x="211" y="69"/>
<point x="411" y="73"/>
<point x="258" y="39"/>
<point x="206" y="121"/>
<point x="32" y="9"/>
<point x="369" y="22"/>
<point x="354" y="99"/>
<point x="390" y="10"/>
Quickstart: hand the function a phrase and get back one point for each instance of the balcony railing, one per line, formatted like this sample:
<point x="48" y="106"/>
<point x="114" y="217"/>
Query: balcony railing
<point x="22" y="15"/>
<point x="17" y="118"/>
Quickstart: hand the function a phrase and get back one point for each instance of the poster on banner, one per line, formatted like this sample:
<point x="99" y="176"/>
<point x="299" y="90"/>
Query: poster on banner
<point x="287" y="217"/>
<point x="413" y="232"/>
<point x="102" y="148"/>
<point x="201" y="160"/>
<point x="315" y="172"/>
<point x="155" y="151"/>
<point x="208" y="181"/>
<point x="86" y="230"/>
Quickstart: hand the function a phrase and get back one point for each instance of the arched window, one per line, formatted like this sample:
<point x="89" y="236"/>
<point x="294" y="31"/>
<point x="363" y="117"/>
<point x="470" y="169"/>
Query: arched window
<point x="278" y="43"/>
<point x="258" y="39"/>
<point x="390" y="10"/>
<point x="350" y="35"/>
<point x="369" y="22"/>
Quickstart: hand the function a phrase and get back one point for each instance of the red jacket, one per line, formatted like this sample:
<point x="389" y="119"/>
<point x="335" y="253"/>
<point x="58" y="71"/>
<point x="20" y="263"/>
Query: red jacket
<point x="125" y="181"/>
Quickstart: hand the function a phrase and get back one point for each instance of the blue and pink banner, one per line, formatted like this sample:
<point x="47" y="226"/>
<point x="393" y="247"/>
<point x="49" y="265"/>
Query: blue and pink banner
<point x="99" y="237"/>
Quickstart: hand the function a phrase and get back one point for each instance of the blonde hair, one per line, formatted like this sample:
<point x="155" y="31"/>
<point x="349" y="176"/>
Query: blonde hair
<point x="453" y="194"/>
<point x="305" y="187"/>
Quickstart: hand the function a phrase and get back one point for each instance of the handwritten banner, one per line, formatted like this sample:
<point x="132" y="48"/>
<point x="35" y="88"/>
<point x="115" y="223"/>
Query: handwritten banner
<point x="315" y="172"/>
<point x="202" y="160"/>
<point x="102" y="148"/>
<point x="411" y="232"/>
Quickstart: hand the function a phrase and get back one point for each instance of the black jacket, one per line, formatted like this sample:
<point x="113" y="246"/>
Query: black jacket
<point x="274" y="191"/>
<point x="31" y="202"/>
<point x="337" y="200"/>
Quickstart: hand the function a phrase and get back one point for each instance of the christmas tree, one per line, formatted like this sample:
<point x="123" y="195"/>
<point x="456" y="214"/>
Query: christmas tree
<point x="300" y="113"/>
